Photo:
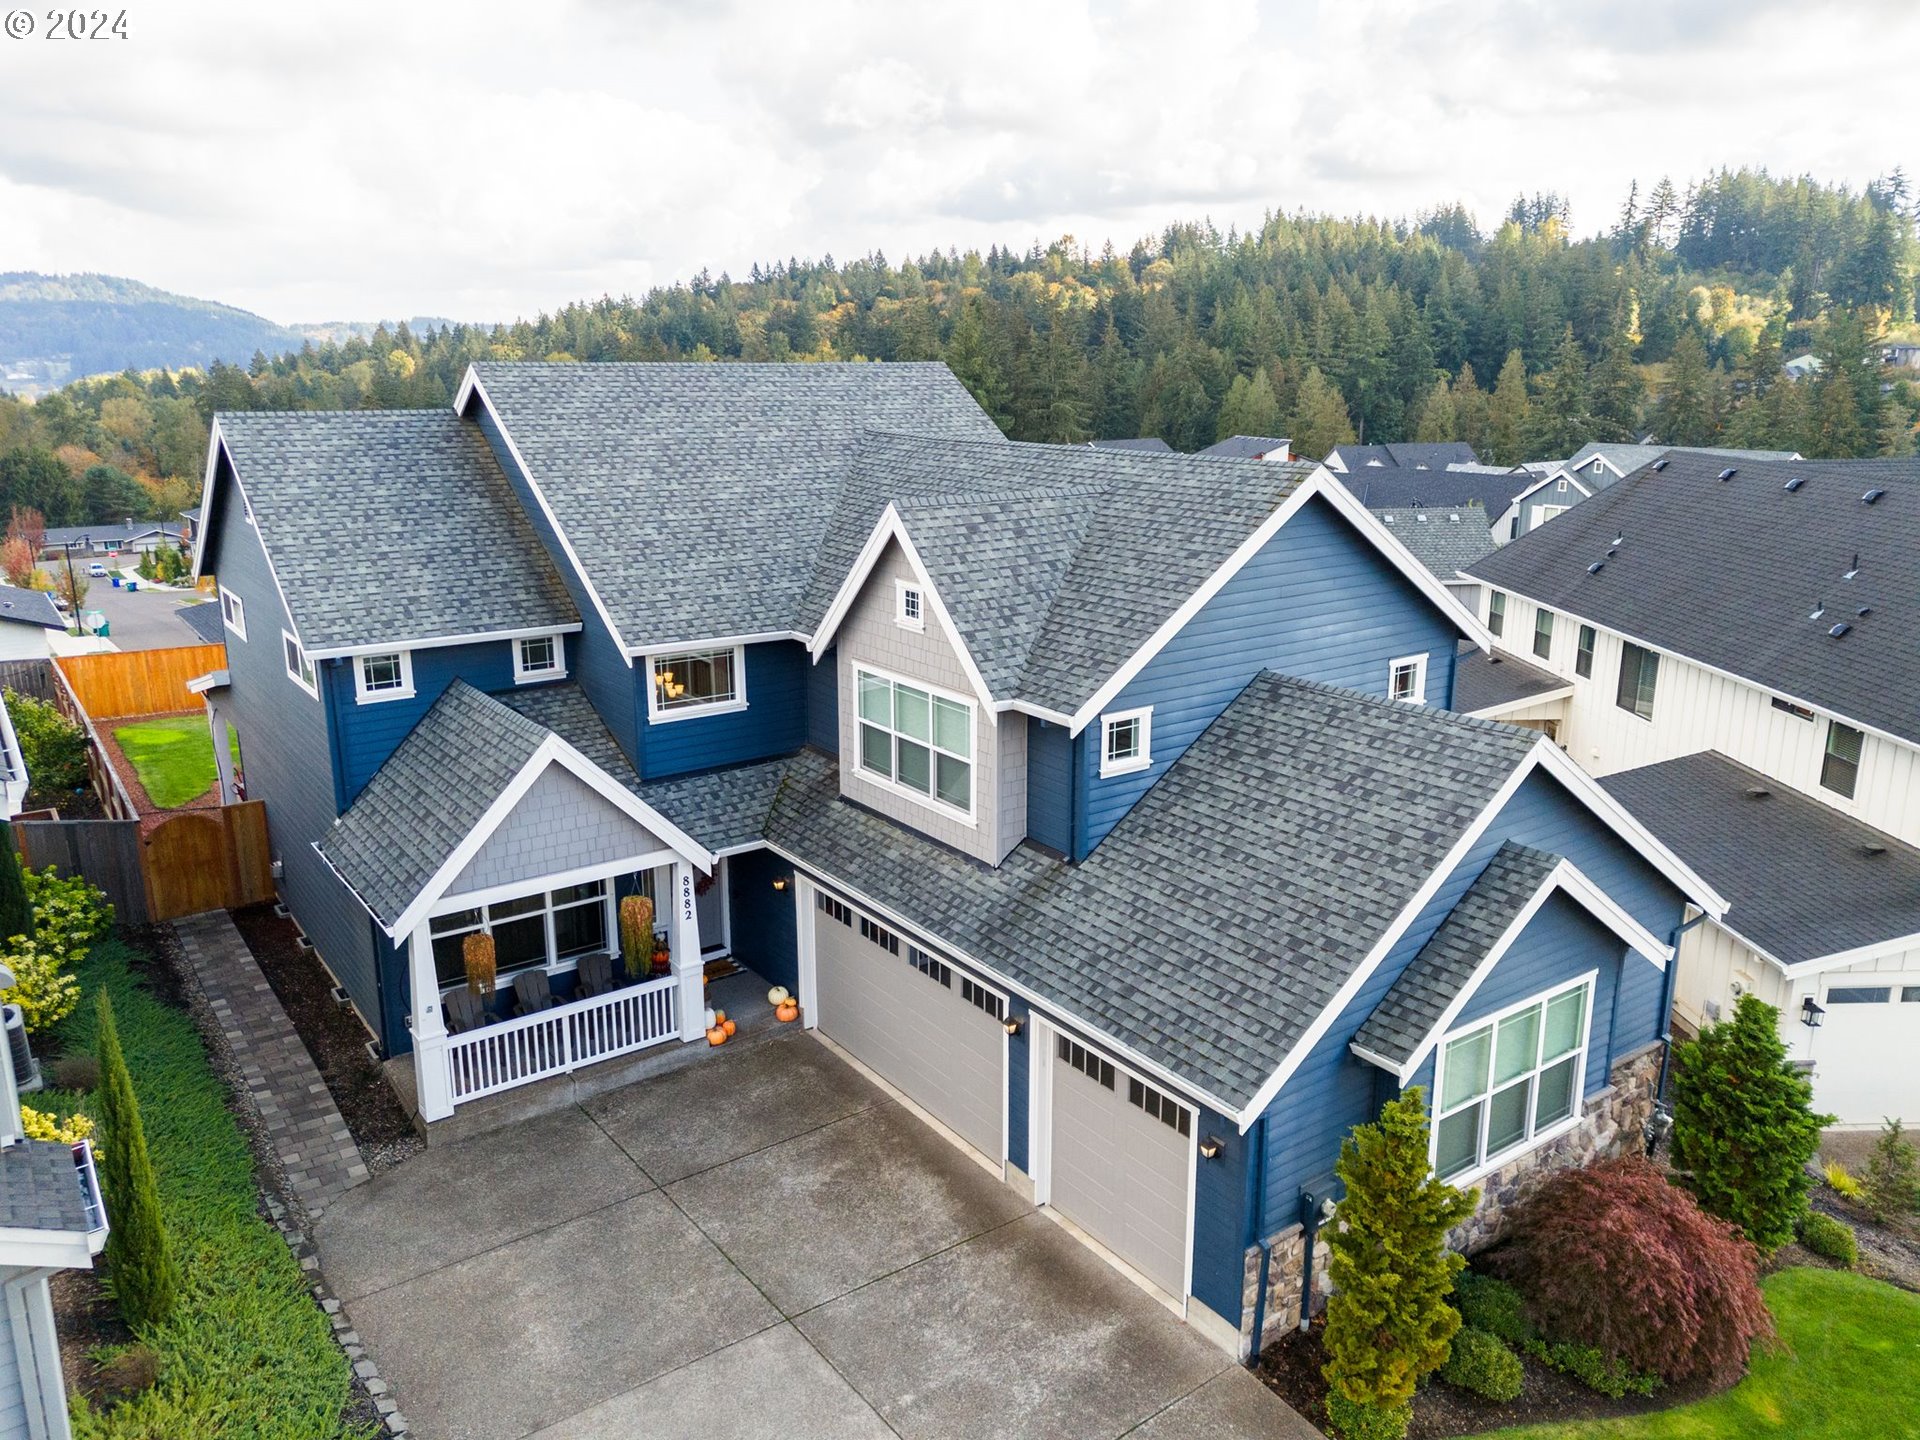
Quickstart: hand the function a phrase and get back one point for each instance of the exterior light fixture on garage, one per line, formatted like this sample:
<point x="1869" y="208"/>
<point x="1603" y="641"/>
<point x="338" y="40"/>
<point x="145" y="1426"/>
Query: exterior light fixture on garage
<point x="1812" y="1013"/>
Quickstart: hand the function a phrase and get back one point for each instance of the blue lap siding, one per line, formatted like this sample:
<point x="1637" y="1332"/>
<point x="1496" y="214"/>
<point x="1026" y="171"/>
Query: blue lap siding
<point x="774" y="722"/>
<point x="1317" y="602"/>
<point x="1049" y="784"/>
<point x="1220" y="1192"/>
<point x="764" y="929"/>
<point x="823" y="703"/>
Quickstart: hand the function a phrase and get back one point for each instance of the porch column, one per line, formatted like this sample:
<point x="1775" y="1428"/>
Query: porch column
<point x="222" y="752"/>
<point x="430" y="1079"/>
<point x="685" y="945"/>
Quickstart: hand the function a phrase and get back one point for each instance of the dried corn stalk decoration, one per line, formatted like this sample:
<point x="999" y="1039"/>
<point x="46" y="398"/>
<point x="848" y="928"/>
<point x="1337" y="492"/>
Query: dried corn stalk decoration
<point x="636" y="935"/>
<point x="477" y="951"/>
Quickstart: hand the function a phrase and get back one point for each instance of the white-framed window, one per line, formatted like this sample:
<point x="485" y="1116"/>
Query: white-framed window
<point x="909" y="605"/>
<point x="1639" y="675"/>
<point x="1840" y="765"/>
<point x="1510" y="1081"/>
<point x="1126" y="741"/>
<point x="1407" y="679"/>
<point x="1547" y="512"/>
<point x="233" y="611"/>
<point x="1560" y="486"/>
<point x="539" y="657"/>
<point x="697" y="682"/>
<point x="915" y="739"/>
<point x="387" y="676"/>
<point x="545" y="931"/>
<point x="1543" y="633"/>
<point x="1497" y="606"/>
<point x="299" y="668"/>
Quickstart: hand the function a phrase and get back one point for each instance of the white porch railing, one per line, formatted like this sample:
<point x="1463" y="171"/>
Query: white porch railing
<point x="517" y="1052"/>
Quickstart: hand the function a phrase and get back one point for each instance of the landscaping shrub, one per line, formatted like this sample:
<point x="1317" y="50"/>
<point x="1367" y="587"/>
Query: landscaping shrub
<point x="16" y="911"/>
<point x="1594" y="1368"/>
<point x="1388" y="1320"/>
<point x="38" y="1125"/>
<point x="1488" y="1303"/>
<point x="134" y="1369"/>
<point x="42" y="988"/>
<point x="76" y="1072"/>
<point x="1824" y="1235"/>
<point x="1357" y="1420"/>
<point x="66" y="909"/>
<point x="140" y="1265"/>
<point x="1892" y="1184"/>
<point x="1615" y="1257"/>
<point x="68" y="916"/>
<point x="54" y="747"/>
<point x="1481" y="1364"/>
<point x="1743" y="1124"/>
<point x="1842" y="1181"/>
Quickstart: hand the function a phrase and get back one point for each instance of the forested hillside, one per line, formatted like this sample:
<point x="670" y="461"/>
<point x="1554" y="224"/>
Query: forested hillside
<point x="1520" y="339"/>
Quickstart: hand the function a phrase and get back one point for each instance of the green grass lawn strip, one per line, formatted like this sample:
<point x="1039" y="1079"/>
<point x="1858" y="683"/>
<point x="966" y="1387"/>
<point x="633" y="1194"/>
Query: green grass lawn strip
<point x="1846" y="1366"/>
<point x="173" y="757"/>
<point x="246" y="1352"/>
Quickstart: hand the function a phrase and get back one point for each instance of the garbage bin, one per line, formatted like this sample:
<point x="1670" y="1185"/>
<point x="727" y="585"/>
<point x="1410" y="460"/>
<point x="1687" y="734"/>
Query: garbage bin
<point x="116" y="582"/>
<point x="133" y="584"/>
<point x="105" y="629"/>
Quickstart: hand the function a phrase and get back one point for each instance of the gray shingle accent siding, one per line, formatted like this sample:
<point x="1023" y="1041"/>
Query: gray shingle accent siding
<point x="560" y="824"/>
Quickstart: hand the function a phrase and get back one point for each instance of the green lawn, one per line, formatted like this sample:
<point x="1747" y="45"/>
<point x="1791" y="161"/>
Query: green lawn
<point x="173" y="757"/>
<point x="246" y="1353"/>
<point x="1846" y="1367"/>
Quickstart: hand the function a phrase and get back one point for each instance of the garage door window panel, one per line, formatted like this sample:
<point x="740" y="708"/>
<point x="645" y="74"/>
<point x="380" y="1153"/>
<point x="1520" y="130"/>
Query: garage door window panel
<point x="1086" y="1062"/>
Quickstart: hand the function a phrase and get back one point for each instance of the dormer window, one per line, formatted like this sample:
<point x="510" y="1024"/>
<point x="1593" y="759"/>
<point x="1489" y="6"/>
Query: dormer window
<point x="1407" y="680"/>
<point x="387" y="676"/>
<point x="916" y="740"/>
<point x="1126" y="742"/>
<point x="697" y="682"/>
<point x="538" y="657"/>
<point x="909" y="605"/>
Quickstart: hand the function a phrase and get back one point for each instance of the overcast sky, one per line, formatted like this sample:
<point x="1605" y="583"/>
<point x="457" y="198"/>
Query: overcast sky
<point x="485" y="160"/>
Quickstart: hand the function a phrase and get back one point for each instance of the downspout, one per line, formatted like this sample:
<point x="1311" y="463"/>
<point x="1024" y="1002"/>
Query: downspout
<point x="1666" y="1017"/>
<point x="1261" y="1239"/>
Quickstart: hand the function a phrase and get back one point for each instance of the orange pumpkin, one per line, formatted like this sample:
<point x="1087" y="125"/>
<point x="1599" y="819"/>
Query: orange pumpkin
<point x="716" y="1035"/>
<point x="788" y="1009"/>
<point x="729" y="1027"/>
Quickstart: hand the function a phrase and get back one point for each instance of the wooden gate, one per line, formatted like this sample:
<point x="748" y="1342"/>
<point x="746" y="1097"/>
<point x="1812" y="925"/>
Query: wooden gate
<point x="208" y="860"/>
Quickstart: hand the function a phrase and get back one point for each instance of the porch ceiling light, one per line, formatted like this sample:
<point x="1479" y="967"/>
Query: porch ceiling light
<point x="1812" y="1013"/>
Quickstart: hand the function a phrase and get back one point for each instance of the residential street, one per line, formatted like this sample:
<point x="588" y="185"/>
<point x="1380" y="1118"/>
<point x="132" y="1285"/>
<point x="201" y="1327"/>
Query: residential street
<point x="143" y="619"/>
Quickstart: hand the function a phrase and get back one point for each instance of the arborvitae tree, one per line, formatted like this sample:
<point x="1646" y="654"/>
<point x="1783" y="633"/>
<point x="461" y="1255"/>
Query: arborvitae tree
<point x="1438" y="419"/>
<point x="140" y="1262"/>
<point x="1743" y="1124"/>
<point x="1892" y="1184"/>
<point x="1250" y="407"/>
<point x="1509" y="414"/>
<point x="1389" y="1322"/>
<point x="1320" y="419"/>
<point x="16" y="911"/>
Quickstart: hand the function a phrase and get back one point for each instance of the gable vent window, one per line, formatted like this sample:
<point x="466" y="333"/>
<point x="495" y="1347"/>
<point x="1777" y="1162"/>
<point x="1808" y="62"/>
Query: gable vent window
<point x="834" y="909"/>
<point x="916" y="740"/>
<point x="1086" y="1062"/>
<point x="1407" y="680"/>
<point x="1126" y="742"/>
<point x="299" y="668"/>
<point x="884" y="938"/>
<point x="1497" y="612"/>
<point x="697" y="682"/>
<point x="1583" y="653"/>
<point x="1163" y="1108"/>
<point x="1543" y="633"/>
<point x="383" y="677"/>
<point x="1799" y="712"/>
<point x="1840" y="766"/>
<point x="982" y="999"/>
<point x="538" y="657"/>
<point x="233" y="612"/>
<point x="1639" y="672"/>
<point x="909" y="605"/>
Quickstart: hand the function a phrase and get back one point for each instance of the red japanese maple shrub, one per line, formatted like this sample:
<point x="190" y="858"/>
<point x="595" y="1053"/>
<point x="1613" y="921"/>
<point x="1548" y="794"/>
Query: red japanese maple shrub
<point x="1615" y="1257"/>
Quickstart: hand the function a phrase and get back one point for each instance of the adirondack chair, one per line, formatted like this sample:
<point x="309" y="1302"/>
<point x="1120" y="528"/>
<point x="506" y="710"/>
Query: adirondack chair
<point x="595" y="976"/>
<point x="465" y="1012"/>
<point x="531" y="993"/>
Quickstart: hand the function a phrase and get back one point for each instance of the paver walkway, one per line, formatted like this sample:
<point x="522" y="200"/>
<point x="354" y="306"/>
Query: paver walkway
<point x="303" y="1124"/>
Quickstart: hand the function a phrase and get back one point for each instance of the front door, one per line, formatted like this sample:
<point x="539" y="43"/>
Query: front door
<point x="710" y="908"/>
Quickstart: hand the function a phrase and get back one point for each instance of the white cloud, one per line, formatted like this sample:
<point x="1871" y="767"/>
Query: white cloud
<point x="488" y="160"/>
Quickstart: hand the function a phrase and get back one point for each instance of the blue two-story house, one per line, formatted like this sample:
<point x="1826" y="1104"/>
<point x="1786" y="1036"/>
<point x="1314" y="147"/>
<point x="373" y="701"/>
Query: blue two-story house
<point x="1107" y="805"/>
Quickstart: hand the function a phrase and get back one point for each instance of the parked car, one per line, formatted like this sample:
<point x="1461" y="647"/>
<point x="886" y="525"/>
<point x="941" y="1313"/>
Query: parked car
<point x="97" y="570"/>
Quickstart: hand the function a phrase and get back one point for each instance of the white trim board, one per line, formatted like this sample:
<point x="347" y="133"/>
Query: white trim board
<point x="441" y="642"/>
<point x="1507" y="707"/>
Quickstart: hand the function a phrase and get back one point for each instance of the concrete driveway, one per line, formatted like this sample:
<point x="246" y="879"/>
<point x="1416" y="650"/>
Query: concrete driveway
<point x="759" y="1244"/>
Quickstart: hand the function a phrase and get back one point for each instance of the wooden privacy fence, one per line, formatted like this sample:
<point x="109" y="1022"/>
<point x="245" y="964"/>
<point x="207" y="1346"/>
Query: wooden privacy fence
<point x="118" y="683"/>
<point x="196" y="860"/>
<point x="29" y="677"/>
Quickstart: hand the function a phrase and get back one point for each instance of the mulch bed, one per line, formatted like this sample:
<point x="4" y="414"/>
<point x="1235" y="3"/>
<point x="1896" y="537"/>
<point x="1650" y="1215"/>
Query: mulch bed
<point x="1291" y="1369"/>
<point x="334" y="1037"/>
<point x="1889" y="1251"/>
<point x="86" y="1320"/>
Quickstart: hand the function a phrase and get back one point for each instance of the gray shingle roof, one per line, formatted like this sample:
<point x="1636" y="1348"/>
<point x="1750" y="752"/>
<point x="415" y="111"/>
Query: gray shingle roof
<point x="29" y="607"/>
<point x="1247" y="447"/>
<point x="1482" y="681"/>
<point x="1408" y="456"/>
<point x="637" y="459"/>
<point x="1446" y="539"/>
<point x="1728" y="573"/>
<point x="204" y="620"/>
<point x="1414" y="1003"/>
<point x="388" y="525"/>
<point x="1802" y="881"/>
<point x="1629" y="458"/>
<point x="1056" y="562"/>
<point x="427" y="798"/>
<point x="1145" y="442"/>
<point x="1387" y="489"/>
<point x="40" y="1189"/>
<point x="1297" y="827"/>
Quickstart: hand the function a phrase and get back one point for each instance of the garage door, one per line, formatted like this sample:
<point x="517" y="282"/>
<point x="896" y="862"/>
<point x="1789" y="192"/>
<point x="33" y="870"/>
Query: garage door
<point x="1122" y="1152"/>
<point x="920" y="1023"/>
<point x="1863" y="1068"/>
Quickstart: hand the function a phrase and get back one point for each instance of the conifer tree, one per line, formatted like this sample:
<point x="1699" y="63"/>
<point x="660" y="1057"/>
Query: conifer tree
<point x="1320" y="418"/>
<point x="1438" y="419"/>
<point x="1893" y="1175"/>
<point x="1250" y="407"/>
<point x="1743" y="1124"/>
<point x="16" y="911"/>
<point x="139" y="1260"/>
<point x="1509" y="413"/>
<point x="1389" y="1323"/>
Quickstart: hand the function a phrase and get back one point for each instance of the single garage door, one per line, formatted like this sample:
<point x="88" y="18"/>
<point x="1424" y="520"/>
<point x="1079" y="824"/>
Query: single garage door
<point x="1122" y="1152"/>
<point x="921" y="1024"/>
<point x="1863" y="1068"/>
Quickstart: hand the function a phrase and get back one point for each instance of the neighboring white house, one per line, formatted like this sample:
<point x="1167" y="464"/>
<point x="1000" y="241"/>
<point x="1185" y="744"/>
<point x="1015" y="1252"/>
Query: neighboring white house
<point x="28" y="623"/>
<point x="1736" y="645"/>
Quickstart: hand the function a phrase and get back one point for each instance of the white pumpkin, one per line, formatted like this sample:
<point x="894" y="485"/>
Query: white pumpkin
<point x="777" y="994"/>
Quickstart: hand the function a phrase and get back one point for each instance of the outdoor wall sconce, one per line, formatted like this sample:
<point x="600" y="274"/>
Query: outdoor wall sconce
<point x="1012" y="1024"/>
<point x="1811" y="1014"/>
<point x="780" y="883"/>
<point x="1210" y="1147"/>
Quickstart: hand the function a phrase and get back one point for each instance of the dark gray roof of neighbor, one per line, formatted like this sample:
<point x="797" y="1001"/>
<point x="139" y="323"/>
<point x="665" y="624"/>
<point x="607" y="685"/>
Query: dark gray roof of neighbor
<point x="389" y="525"/>
<point x="204" y="620"/>
<point x="1387" y="489"/>
<point x="1414" y="1003"/>
<point x="427" y="797"/>
<point x="29" y="607"/>
<point x="1145" y="442"/>
<point x="1412" y="455"/>
<point x="1298" y="826"/>
<point x="1482" y="681"/>
<point x="697" y="495"/>
<point x="40" y="1189"/>
<point x="1055" y="562"/>
<point x="1802" y="881"/>
<point x="1247" y="447"/>
<point x="1729" y="573"/>
<point x="1445" y="538"/>
<point x="1629" y="458"/>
